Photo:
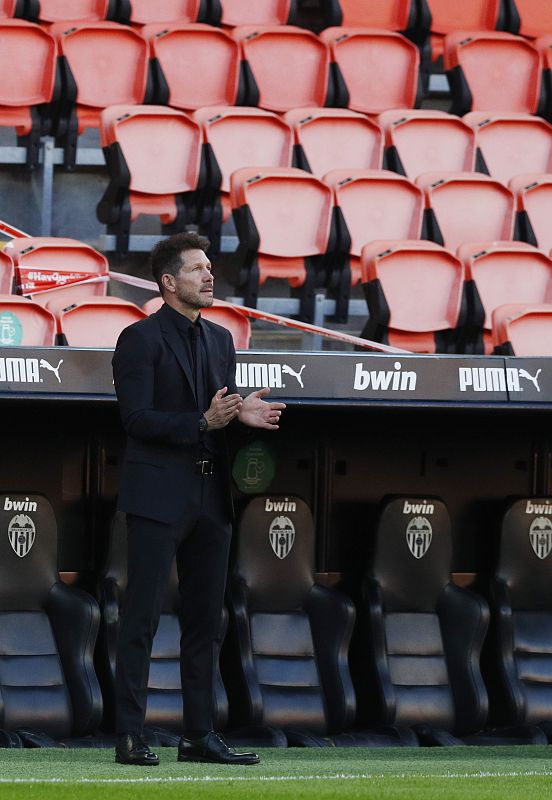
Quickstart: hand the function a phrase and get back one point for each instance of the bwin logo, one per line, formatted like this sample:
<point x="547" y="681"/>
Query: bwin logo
<point x="21" y="533"/>
<point x="540" y="535"/>
<point x="255" y="376"/>
<point x="495" y="379"/>
<point x="395" y="381"/>
<point x="418" y="508"/>
<point x="280" y="505"/>
<point x="538" y="508"/>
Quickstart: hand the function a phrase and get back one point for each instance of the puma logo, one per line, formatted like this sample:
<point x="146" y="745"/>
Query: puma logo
<point x="289" y="371"/>
<point x="45" y="365"/>
<point x="535" y="381"/>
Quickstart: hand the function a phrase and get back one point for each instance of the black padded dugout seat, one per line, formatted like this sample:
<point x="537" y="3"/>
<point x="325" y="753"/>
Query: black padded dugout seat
<point x="164" y="701"/>
<point x="48" y="687"/>
<point x="521" y="601"/>
<point x="292" y="634"/>
<point x="426" y="633"/>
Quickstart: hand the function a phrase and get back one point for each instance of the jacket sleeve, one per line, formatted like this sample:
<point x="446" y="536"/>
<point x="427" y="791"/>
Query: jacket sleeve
<point x="134" y="376"/>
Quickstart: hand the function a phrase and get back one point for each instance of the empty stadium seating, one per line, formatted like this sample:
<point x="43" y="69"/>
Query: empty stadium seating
<point x="530" y="18"/>
<point x="29" y="86"/>
<point x="469" y="15"/>
<point x="520" y="329"/>
<point x="533" y="195"/>
<point x="25" y="323"/>
<point x="369" y="14"/>
<point x="180" y="51"/>
<point x="511" y="144"/>
<point x="490" y="71"/>
<point x="153" y="156"/>
<point x="285" y="67"/>
<point x="144" y="11"/>
<point x="373" y="204"/>
<point x="466" y="207"/>
<point x="236" y="137"/>
<point x="426" y="141"/>
<point x="500" y="273"/>
<point x="261" y="12"/>
<point x="414" y="292"/>
<point x="66" y="10"/>
<point x="92" y="321"/>
<point x="376" y="70"/>
<point x="53" y="267"/>
<point x="48" y="631"/>
<point x="331" y="138"/>
<point x="102" y="64"/>
<point x="227" y="316"/>
<point x="284" y="224"/>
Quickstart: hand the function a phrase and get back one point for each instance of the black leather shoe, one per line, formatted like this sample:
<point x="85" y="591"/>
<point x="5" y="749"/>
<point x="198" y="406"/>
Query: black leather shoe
<point x="131" y="749"/>
<point x="213" y="749"/>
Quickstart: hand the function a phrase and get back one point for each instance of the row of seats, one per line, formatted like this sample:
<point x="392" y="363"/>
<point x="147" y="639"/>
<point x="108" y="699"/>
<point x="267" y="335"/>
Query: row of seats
<point x="419" y="636"/>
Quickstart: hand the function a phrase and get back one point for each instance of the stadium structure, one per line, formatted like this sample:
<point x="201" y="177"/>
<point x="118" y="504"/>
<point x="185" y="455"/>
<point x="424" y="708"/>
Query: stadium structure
<point x="375" y="178"/>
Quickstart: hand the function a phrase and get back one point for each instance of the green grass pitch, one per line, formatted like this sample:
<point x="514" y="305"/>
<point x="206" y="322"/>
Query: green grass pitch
<point x="485" y="773"/>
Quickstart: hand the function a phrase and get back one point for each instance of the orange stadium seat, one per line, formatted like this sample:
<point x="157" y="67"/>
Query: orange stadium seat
<point x="466" y="207"/>
<point x="145" y="11"/>
<point x="498" y="273"/>
<point x="235" y="137"/>
<point x="489" y="71"/>
<point x="28" y="85"/>
<point x="530" y="18"/>
<point x="468" y="15"/>
<point x="25" y="323"/>
<point x="180" y="51"/>
<point x="523" y="330"/>
<point x="6" y="273"/>
<point x="511" y="144"/>
<point x="286" y="67"/>
<point x="284" y="224"/>
<point x="261" y="12"/>
<point x="153" y="156"/>
<point x="103" y="64"/>
<point x="92" y="321"/>
<point x="533" y="194"/>
<point x="426" y="141"/>
<point x="376" y="70"/>
<point x="50" y="267"/>
<point x="414" y="292"/>
<point x="11" y="8"/>
<point x="396" y="16"/>
<point x="373" y="204"/>
<point x="66" y="10"/>
<point x="229" y="317"/>
<point x="544" y="46"/>
<point x="335" y="138"/>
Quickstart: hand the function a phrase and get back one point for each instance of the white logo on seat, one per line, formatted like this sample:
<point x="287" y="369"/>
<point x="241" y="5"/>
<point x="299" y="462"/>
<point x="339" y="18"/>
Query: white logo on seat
<point x="21" y="533"/>
<point x="540" y="535"/>
<point x="418" y="536"/>
<point x="45" y="365"/>
<point x="282" y="536"/>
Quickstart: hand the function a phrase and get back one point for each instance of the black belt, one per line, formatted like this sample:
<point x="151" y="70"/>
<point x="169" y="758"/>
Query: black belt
<point x="205" y="467"/>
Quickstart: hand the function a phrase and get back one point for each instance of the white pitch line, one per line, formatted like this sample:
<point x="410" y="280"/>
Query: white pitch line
<point x="282" y="778"/>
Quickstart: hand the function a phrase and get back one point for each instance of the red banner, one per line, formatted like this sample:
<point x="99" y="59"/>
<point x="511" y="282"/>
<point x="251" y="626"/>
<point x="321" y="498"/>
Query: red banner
<point x="35" y="280"/>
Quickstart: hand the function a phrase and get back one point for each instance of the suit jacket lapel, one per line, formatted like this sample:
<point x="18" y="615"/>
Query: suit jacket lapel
<point x="174" y="340"/>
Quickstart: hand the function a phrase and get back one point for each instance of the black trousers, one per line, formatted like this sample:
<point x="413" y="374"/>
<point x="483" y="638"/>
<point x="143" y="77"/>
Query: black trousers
<point x="200" y="541"/>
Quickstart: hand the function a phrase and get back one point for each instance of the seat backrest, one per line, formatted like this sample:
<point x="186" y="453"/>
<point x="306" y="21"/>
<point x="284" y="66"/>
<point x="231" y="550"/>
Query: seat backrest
<point x="332" y="138"/>
<point x="240" y="137"/>
<point x="65" y="10"/>
<point x="290" y="208"/>
<point x="48" y="267"/>
<point x="423" y="141"/>
<point x="25" y="323"/>
<point x="467" y="207"/>
<point x="161" y="147"/>
<point x="7" y="9"/>
<point x="376" y="204"/>
<point x="511" y="144"/>
<point x="209" y="54"/>
<point x="374" y="13"/>
<point x="471" y="15"/>
<point x="27" y="63"/>
<point x="108" y="61"/>
<point x="533" y="193"/>
<point x="6" y="272"/>
<point x="261" y="12"/>
<point x="506" y="272"/>
<point x="523" y="330"/>
<point x="380" y="68"/>
<point x="535" y="17"/>
<point x="144" y="11"/>
<point x="231" y="318"/>
<point x="289" y="65"/>
<point x="501" y="72"/>
<point x="94" y="321"/>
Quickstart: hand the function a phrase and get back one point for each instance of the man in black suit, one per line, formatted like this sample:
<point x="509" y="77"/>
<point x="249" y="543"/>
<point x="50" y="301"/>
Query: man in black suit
<point x="174" y="375"/>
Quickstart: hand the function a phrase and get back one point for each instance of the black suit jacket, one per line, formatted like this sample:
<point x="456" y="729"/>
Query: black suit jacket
<point x="154" y="384"/>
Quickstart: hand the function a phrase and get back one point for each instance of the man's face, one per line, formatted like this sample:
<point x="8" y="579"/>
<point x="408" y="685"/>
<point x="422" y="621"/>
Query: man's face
<point x="193" y="285"/>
